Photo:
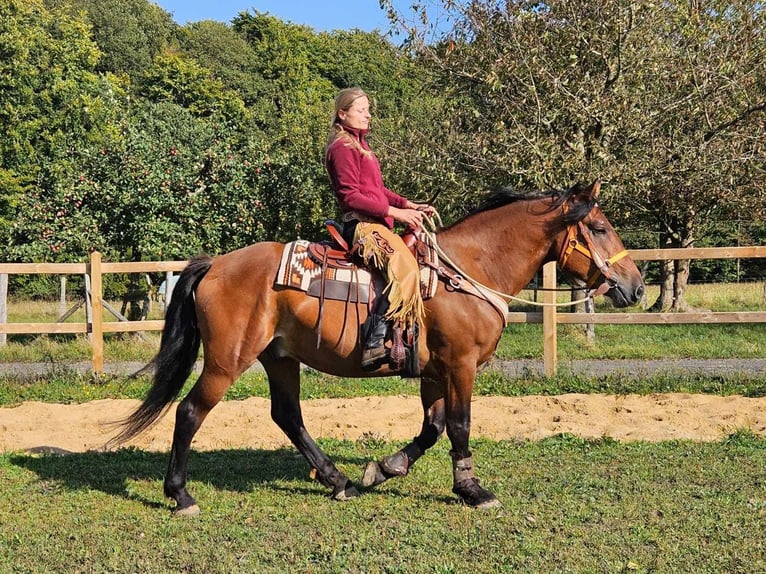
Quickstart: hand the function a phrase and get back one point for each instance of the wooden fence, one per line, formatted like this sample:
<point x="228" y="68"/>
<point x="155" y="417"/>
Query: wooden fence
<point x="550" y="317"/>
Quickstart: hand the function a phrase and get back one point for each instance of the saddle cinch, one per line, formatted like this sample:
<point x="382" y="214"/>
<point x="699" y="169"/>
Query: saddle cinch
<point x="331" y="270"/>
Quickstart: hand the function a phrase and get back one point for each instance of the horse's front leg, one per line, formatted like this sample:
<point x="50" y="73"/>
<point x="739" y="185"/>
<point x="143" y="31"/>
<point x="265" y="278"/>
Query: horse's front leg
<point x="458" y="412"/>
<point x="284" y="383"/>
<point x="399" y="463"/>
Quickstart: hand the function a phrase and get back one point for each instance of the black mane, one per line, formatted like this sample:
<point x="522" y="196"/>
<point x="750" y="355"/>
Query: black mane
<point x="505" y="196"/>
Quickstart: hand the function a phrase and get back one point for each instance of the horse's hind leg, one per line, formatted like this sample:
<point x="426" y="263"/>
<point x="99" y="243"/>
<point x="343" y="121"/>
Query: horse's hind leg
<point x="206" y="393"/>
<point x="399" y="463"/>
<point x="284" y="383"/>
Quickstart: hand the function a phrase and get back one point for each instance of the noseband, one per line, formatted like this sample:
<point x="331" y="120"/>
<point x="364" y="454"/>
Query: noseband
<point x="588" y="249"/>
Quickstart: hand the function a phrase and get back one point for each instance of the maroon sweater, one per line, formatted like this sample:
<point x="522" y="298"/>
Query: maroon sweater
<point x="357" y="181"/>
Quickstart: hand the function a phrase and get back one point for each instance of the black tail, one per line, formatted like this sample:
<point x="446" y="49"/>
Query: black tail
<point x="178" y="352"/>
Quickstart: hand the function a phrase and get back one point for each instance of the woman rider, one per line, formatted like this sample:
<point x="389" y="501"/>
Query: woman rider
<point x="369" y="211"/>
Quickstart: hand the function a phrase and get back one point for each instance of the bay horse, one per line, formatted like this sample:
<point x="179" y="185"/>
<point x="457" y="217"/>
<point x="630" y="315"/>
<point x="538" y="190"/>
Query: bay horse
<point x="230" y="305"/>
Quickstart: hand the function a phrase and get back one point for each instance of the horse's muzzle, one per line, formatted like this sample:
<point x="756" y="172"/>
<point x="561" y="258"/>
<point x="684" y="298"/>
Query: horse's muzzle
<point x="623" y="295"/>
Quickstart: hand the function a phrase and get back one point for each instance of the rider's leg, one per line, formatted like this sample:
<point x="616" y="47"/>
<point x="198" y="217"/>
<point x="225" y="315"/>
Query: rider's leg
<point x="403" y="304"/>
<point x="374" y="351"/>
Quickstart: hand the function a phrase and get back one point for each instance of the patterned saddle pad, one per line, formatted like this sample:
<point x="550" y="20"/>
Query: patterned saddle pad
<point x="299" y="269"/>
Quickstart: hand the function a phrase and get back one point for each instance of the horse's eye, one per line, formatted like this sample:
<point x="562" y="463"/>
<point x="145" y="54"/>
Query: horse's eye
<point x="598" y="229"/>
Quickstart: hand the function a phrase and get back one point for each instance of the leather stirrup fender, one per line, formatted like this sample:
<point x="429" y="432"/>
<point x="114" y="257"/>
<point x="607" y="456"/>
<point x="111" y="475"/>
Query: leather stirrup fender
<point x="332" y="228"/>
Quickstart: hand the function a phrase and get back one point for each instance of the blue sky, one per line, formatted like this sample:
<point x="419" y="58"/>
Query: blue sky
<point x="322" y="15"/>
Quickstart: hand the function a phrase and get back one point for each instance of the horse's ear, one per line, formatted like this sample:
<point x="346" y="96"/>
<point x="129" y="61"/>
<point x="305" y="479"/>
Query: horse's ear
<point x="586" y="194"/>
<point x="595" y="188"/>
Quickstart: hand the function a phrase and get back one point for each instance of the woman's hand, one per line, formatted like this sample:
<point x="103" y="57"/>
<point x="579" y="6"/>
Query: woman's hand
<point x="424" y="207"/>
<point x="411" y="217"/>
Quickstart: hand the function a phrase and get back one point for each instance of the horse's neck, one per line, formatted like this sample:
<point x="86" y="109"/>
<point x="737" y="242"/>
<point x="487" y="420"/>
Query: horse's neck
<point x="503" y="253"/>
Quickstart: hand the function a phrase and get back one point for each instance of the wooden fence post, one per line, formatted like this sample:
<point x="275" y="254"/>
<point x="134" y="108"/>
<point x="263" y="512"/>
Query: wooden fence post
<point x="62" y="295"/>
<point x="97" y="312"/>
<point x="88" y="305"/>
<point x="3" y="305"/>
<point x="169" y="284"/>
<point x="550" y="358"/>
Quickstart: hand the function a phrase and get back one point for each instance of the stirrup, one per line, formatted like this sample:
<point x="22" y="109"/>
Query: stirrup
<point x="374" y="357"/>
<point x="404" y="352"/>
<point x="398" y="355"/>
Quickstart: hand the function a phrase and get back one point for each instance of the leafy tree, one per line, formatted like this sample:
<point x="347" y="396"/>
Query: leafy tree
<point x="292" y="107"/>
<point x="130" y="33"/>
<point x="228" y="57"/>
<point x="662" y="101"/>
<point x="172" y="186"/>
<point x="174" y="78"/>
<point x="294" y="112"/>
<point x="303" y="72"/>
<point x="51" y="98"/>
<point x="705" y="147"/>
<point x="401" y="104"/>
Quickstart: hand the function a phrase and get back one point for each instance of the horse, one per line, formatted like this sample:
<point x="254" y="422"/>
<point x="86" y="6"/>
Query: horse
<point x="230" y="305"/>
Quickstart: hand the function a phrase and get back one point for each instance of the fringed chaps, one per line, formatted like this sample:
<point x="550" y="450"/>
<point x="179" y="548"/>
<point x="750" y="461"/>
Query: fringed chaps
<point x="383" y="249"/>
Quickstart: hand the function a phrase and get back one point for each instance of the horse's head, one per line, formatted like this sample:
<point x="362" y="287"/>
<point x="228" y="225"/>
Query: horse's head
<point x="592" y="253"/>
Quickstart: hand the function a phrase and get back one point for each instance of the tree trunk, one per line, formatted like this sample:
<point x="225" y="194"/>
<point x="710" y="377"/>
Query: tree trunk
<point x="585" y="307"/>
<point x="674" y="275"/>
<point x="679" y="286"/>
<point x="665" y="300"/>
<point x="682" y="267"/>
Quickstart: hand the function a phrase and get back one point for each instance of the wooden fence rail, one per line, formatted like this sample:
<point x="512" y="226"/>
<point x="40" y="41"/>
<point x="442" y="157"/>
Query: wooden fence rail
<point x="550" y="317"/>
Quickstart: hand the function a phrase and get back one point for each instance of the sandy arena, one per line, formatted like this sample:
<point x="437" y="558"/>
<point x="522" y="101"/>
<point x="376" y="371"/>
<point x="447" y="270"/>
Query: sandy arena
<point x="44" y="427"/>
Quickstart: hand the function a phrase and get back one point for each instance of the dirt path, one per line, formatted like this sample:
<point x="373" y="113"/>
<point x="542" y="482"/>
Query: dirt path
<point x="47" y="427"/>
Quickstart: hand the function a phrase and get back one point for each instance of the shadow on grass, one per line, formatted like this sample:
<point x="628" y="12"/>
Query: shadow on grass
<point x="237" y="470"/>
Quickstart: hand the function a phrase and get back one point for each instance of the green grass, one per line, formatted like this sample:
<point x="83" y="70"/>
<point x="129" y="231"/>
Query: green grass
<point x="718" y="297"/>
<point x="118" y="347"/>
<point x="570" y="505"/>
<point x="520" y="341"/>
<point x="746" y="384"/>
<point x="643" y="342"/>
<point x="639" y="342"/>
<point x="65" y="386"/>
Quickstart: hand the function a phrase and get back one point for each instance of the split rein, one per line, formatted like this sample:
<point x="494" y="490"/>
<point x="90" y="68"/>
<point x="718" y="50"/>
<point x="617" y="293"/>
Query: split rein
<point x="571" y="245"/>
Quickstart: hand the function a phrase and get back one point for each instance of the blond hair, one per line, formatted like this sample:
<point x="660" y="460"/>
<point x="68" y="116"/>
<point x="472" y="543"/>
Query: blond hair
<point x="343" y="102"/>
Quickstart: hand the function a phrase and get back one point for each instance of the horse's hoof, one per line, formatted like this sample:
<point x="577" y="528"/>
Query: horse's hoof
<point x="346" y="492"/>
<point x="373" y="475"/>
<point x="192" y="510"/>
<point x="473" y="495"/>
<point x="493" y="503"/>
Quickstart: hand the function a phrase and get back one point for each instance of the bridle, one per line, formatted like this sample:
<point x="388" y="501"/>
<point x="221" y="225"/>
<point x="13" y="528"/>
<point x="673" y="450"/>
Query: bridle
<point x="500" y="300"/>
<point x="572" y="244"/>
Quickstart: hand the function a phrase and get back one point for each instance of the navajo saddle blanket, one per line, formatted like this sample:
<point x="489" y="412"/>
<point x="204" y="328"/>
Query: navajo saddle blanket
<point x="323" y="272"/>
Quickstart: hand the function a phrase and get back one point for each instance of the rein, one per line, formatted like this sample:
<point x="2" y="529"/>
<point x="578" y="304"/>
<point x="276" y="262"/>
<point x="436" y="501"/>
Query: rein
<point x="572" y="244"/>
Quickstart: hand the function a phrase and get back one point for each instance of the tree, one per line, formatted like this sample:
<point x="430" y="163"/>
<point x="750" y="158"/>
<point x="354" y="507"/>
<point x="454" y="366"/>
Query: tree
<point x="228" y="57"/>
<point x="175" y="78"/>
<point x="665" y="102"/>
<point x="179" y="163"/>
<point x="52" y="99"/>
<point x="303" y="72"/>
<point x="705" y="147"/>
<point x="130" y="33"/>
<point x="401" y="104"/>
<point x="171" y="186"/>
